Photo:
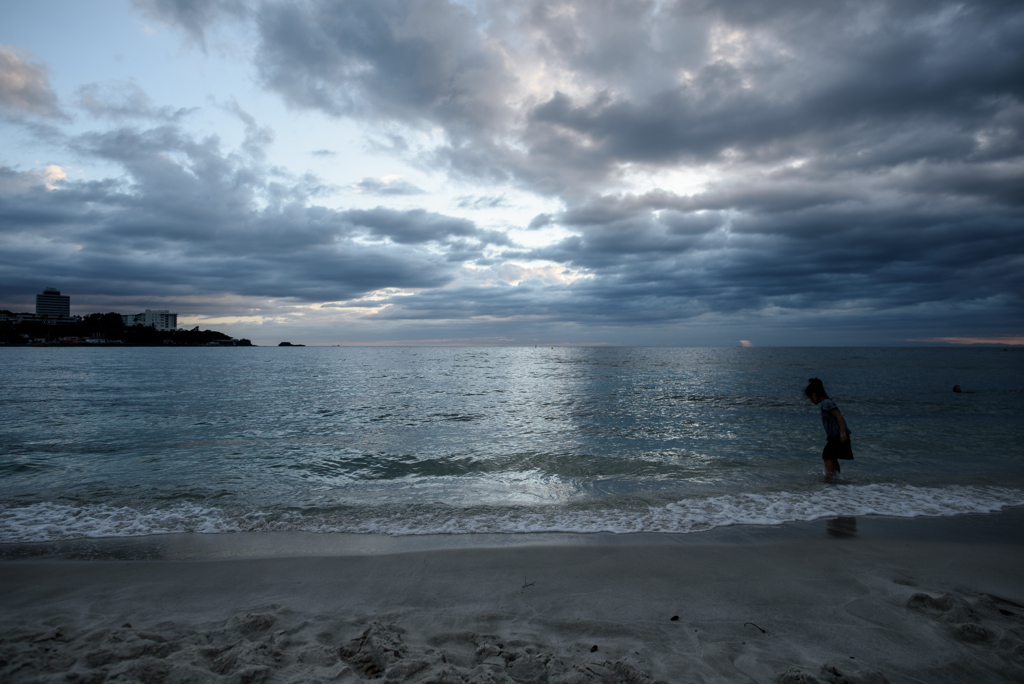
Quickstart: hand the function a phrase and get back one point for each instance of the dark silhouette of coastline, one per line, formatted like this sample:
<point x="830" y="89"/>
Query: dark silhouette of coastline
<point x="109" y="330"/>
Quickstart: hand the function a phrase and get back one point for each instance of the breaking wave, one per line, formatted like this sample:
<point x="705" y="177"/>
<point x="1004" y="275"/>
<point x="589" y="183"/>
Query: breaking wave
<point x="54" y="521"/>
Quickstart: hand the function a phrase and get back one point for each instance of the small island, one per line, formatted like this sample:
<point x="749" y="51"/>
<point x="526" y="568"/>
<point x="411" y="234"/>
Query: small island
<point x="289" y="344"/>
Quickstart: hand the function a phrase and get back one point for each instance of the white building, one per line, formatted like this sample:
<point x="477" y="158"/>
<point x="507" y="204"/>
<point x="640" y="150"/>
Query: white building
<point x="51" y="304"/>
<point x="160" y="319"/>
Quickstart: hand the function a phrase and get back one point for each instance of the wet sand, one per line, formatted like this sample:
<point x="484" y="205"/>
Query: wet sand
<point x="866" y="600"/>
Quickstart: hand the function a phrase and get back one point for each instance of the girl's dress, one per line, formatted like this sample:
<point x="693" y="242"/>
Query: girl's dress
<point x="834" y="448"/>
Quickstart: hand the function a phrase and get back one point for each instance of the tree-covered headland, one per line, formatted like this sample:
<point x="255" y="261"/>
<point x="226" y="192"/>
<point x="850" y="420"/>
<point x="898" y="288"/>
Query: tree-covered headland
<point x="107" y="328"/>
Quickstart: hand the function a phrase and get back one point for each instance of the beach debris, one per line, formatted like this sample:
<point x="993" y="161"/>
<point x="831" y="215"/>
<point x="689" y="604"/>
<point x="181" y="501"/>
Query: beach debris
<point x="674" y="618"/>
<point x="593" y="648"/>
<point x="752" y="624"/>
<point x="527" y="584"/>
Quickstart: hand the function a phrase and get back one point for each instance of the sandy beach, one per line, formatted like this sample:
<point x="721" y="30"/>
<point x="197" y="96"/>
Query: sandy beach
<point x="863" y="600"/>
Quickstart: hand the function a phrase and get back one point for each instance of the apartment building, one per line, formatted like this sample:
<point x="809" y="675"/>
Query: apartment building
<point x="161" y="319"/>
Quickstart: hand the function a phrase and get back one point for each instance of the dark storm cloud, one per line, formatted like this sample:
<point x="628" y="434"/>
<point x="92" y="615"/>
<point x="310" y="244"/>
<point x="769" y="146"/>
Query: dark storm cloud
<point x="422" y="61"/>
<point x="860" y="86"/>
<point x="866" y="84"/>
<point x="189" y="218"/>
<point x="827" y="249"/>
<point x="860" y="161"/>
<point x="374" y="186"/>
<point x="463" y="240"/>
<point x="745" y="250"/>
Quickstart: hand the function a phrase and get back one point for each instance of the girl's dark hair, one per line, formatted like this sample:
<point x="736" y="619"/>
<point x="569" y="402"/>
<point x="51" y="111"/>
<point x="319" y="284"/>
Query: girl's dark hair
<point x="814" y="386"/>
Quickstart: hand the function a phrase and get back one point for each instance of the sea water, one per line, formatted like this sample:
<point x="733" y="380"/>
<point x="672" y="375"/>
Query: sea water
<point x="107" y="442"/>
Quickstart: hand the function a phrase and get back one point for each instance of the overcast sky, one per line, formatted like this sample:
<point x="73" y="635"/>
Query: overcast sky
<point x="582" y="171"/>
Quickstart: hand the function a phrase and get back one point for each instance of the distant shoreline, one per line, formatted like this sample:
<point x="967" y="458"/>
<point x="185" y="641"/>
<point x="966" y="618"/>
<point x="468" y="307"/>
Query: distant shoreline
<point x="108" y="345"/>
<point x="108" y="330"/>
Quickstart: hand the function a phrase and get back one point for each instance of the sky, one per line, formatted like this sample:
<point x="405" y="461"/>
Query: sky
<point x="701" y="172"/>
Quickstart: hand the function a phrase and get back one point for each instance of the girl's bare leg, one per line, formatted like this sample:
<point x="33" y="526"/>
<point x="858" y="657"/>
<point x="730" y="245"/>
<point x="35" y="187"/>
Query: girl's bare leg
<point x="831" y="468"/>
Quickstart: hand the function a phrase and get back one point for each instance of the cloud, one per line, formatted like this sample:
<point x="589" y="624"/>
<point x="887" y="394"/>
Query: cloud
<point x="485" y="202"/>
<point x="540" y="221"/>
<point x="565" y="97"/>
<point x="13" y="183"/>
<point x="781" y="166"/>
<point x="25" y="85"/>
<point x="388" y="185"/>
<point x="734" y="248"/>
<point x="413" y="62"/>
<point x="861" y="86"/>
<point x="121" y="100"/>
<point x="257" y="137"/>
<point x="195" y="17"/>
<point x="191" y="219"/>
<point x="766" y="250"/>
<point x="418" y="226"/>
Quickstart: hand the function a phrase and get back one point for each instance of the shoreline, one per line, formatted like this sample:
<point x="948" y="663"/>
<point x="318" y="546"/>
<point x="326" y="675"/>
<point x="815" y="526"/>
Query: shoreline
<point x="1002" y="527"/>
<point x="863" y="601"/>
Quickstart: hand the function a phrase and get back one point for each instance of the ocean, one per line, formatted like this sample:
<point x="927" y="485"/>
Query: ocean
<point x="119" y="442"/>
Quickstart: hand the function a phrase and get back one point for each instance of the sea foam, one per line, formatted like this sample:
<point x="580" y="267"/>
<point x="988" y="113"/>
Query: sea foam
<point x="57" y="521"/>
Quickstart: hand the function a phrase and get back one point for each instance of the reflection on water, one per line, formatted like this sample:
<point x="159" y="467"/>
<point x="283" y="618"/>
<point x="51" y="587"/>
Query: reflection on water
<point x="843" y="527"/>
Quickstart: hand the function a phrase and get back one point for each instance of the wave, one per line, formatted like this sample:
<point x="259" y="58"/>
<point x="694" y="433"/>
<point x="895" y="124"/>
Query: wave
<point x="50" y="521"/>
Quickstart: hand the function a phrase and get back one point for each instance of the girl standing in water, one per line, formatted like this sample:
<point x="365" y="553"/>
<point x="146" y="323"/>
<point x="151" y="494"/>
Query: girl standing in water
<point x="837" y="445"/>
